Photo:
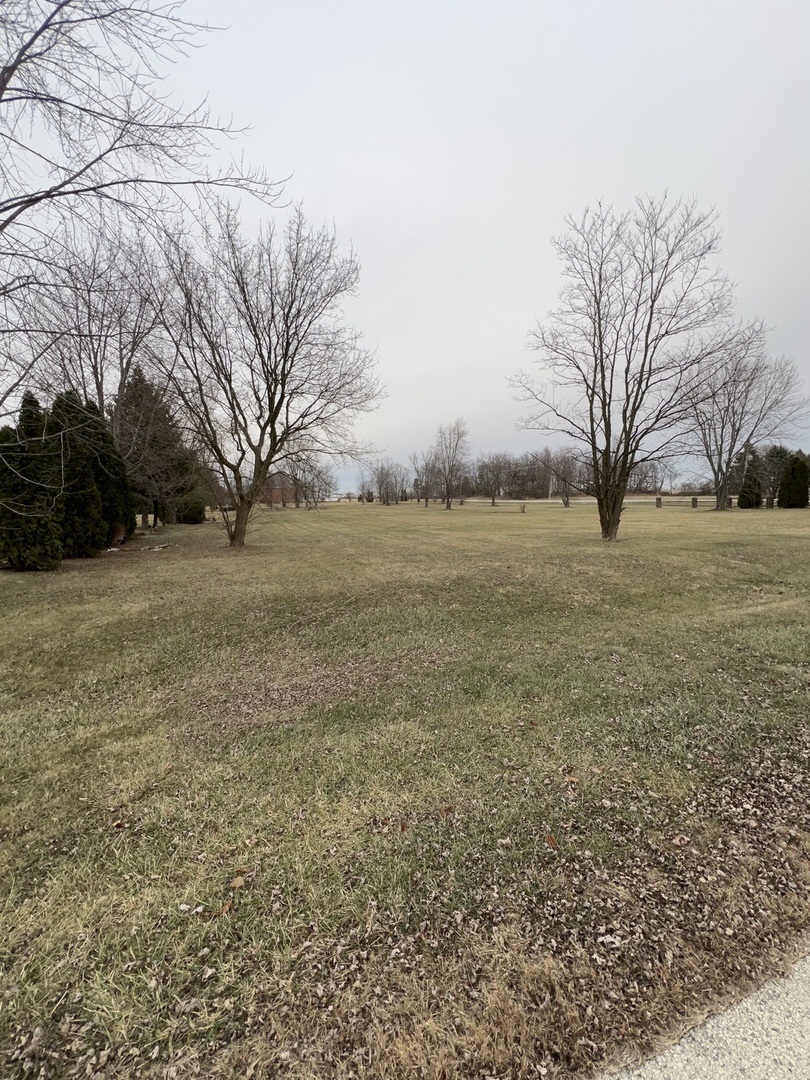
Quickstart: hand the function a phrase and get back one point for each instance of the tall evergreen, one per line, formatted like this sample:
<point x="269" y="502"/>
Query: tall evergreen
<point x="793" y="487"/>
<point x="772" y="464"/>
<point x="31" y="491"/>
<point x="161" y="468"/>
<point x="110" y="473"/>
<point x="84" y="529"/>
<point x="750" y="496"/>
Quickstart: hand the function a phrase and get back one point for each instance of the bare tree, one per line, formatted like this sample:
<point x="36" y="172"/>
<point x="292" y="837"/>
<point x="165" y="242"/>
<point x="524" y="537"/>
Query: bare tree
<point x="310" y="475"/>
<point x="569" y="474"/>
<point x="21" y="352"/>
<point x="646" y="478"/>
<point x="641" y="312"/>
<point x="491" y="473"/>
<point x="425" y="474"/>
<point x="746" y="399"/>
<point x="389" y="480"/>
<point x="451" y="450"/>
<point x="263" y="362"/>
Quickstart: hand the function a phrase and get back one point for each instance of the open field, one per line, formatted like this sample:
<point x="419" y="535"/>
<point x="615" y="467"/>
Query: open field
<point x="401" y="792"/>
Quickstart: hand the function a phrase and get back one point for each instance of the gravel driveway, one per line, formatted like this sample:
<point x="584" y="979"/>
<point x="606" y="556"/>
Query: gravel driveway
<point x="765" y="1037"/>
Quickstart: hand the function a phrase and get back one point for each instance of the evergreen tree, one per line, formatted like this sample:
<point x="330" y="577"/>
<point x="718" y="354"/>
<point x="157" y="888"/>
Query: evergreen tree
<point x="30" y="491"/>
<point x="161" y="468"/>
<point x="772" y="464"/>
<point x="84" y="529"/>
<point x="191" y="507"/>
<point x="110" y="474"/>
<point x="793" y="487"/>
<point x="750" y="496"/>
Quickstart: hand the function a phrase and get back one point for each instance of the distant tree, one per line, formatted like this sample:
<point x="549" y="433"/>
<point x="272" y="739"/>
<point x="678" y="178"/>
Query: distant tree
<point x="451" y="451"/>
<point x="793" y="487"/>
<point x="389" y="480"/>
<point x="773" y="460"/>
<point x="30" y="491"/>
<point x="741" y="398"/>
<point x="538" y="474"/>
<point x="310" y="475"/>
<point x="425" y="475"/>
<point x="381" y="474"/>
<point x="569" y="473"/>
<point x="640" y="313"/>
<point x="491" y="471"/>
<point x="646" y="478"/>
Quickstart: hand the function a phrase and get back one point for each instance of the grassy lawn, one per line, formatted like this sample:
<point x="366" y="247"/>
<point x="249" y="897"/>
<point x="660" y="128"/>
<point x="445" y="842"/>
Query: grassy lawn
<point x="401" y="792"/>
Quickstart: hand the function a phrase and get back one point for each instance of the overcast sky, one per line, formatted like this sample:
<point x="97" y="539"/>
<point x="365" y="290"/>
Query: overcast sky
<point x="447" y="140"/>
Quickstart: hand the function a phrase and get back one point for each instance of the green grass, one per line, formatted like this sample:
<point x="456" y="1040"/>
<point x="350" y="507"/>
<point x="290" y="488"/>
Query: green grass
<point x="317" y="807"/>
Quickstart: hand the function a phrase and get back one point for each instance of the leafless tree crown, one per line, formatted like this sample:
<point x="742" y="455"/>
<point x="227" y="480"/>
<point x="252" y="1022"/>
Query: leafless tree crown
<point x="262" y="359"/>
<point x="642" y="310"/>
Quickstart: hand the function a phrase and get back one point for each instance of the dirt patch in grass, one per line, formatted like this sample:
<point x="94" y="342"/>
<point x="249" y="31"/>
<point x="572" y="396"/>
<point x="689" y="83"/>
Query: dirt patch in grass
<point x="250" y="700"/>
<point x="244" y="697"/>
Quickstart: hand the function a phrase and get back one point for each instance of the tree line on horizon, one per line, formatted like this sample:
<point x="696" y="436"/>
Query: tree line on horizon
<point x="769" y="473"/>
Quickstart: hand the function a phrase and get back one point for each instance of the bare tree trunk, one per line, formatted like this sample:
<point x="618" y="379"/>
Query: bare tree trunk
<point x="240" y="523"/>
<point x="610" y="511"/>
